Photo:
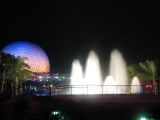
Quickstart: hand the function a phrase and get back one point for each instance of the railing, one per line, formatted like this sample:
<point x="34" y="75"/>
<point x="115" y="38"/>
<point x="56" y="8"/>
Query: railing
<point x="102" y="89"/>
<point x="37" y="89"/>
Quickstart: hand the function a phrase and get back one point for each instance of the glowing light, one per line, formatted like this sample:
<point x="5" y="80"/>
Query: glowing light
<point x="142" y="118"/>
<point x="37" y="58"/>
<point x="148" y="86"/>
<point x="55" y="113"/>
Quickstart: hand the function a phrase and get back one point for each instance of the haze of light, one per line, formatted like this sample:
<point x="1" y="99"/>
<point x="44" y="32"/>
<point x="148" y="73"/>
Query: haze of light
<point x="118" y="71"/>
<point x="115" y="83"/>
<point x="109" y="86"/>
<point x="77" y="77"/>
<point x="135" y="85"/>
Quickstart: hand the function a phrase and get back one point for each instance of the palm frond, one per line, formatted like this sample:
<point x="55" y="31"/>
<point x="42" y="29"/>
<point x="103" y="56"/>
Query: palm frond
<point x="153" y="69"/>
<point x="145" y="67"/>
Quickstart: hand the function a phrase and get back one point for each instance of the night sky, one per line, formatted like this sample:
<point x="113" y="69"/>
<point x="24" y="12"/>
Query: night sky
<point x="69" y="29"/>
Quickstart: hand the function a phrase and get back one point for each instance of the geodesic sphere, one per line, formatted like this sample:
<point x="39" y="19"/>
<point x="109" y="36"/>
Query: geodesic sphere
<point x="37" y="58"/>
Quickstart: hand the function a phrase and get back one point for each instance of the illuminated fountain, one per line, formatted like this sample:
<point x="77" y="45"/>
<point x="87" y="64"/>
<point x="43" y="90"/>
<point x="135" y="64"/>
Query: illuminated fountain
<point x="115" y="83"/>
<point x="118" y="71"/>
<point x="135" y="86"/>
<point x="77" y="78"/>
<point x="109" y="86"/>
<point x="93" y="74"/>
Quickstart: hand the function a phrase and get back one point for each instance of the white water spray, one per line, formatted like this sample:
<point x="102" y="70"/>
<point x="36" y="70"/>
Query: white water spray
<point x="135" y="86"/>
<point x="118" y="71"/>
<point x="93" y="74"/>
<point x="77" y="77"/>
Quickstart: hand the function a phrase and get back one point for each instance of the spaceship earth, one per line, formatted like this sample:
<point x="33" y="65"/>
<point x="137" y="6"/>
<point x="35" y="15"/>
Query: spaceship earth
<point x="37" y="58"/>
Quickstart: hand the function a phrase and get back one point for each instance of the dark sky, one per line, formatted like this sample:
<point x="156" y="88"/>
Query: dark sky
<point x="68" y="30"/>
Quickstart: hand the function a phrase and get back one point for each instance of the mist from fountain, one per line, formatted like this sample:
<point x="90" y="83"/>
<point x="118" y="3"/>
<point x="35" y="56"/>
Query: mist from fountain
<point x="135" y="86"/>
<point x="77" y="78"/>
<point x="93" y="74"/>
<point x="109" y="86"/>
<point x="118" y="71"/>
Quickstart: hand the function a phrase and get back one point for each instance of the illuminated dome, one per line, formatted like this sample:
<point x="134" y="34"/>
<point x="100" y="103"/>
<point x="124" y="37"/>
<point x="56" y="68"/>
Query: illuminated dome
<point x="37" y="58"/>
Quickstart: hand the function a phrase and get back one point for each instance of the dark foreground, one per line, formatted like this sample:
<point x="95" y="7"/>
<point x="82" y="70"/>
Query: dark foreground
<point x="81" y="107"/>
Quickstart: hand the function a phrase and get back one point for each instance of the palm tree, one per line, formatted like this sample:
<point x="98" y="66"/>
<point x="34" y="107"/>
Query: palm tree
<point x="13" y="68"/>
<point x="4" y="67"/>
<point x="135" y="70"/>
<point x="150" y="70"/>
<point x="17" y="72"/>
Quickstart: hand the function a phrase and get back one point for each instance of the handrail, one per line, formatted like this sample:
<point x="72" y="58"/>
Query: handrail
<point x="37" y="89"/>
